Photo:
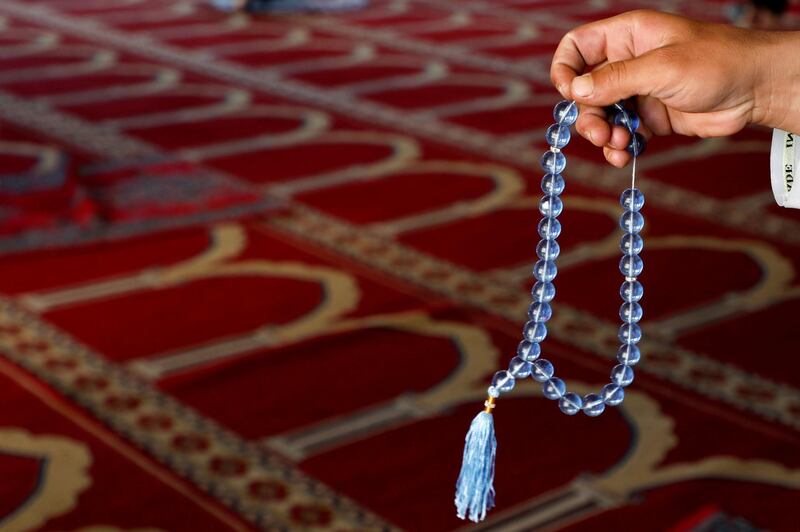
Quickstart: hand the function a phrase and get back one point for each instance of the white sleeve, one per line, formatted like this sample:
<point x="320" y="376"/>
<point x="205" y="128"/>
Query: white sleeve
<point x="784" y="162"/>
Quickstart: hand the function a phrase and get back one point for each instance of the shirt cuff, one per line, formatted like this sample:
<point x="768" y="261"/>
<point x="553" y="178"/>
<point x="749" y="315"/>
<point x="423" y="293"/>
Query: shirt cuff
<point x="783" y="164"/>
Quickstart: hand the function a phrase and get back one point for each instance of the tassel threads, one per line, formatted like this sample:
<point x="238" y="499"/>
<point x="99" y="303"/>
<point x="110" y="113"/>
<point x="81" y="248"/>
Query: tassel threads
<point x="474" y="488"/>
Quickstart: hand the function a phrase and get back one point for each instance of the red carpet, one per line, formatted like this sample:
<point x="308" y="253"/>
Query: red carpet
<point x="257" y="273"/>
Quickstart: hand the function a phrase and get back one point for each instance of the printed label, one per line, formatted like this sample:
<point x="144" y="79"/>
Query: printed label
<point x="788" y="161"/>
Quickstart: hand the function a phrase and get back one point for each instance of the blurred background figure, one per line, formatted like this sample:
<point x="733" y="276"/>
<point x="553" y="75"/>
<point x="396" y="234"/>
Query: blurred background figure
<point x="286" y="6"/>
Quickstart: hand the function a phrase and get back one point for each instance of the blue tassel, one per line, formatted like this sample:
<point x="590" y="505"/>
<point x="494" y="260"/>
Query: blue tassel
<point x="474" y="489"/>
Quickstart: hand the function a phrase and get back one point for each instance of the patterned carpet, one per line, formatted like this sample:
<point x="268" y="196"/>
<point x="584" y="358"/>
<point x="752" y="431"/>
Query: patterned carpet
<point x="257" y="272"/>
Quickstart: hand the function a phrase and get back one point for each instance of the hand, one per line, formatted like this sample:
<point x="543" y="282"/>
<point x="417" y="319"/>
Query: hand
<point x="691" y="78"/>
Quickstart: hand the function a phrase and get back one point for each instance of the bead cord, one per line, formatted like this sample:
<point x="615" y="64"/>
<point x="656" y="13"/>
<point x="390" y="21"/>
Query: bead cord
<point x="489" y="405"/>
<point x="527" y="362"/>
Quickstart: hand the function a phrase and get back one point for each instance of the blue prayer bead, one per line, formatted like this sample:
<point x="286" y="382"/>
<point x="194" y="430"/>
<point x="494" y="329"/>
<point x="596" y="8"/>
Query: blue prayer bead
<point x="632" y="199"/>
<point x="545" y="270"/>
<point x="631" y="222"/>
<point x="631" y="244"/>
<point x="612" y="394"/>
<point x="540" y="312"/>
<point x="622" y="375"/>
<point x="629" y="333"/>
<point x="503" y="381"/>
<point x="528" y="351"/>
<point x="548" y="249"/>
<point x="535" y="332"/>
<point x="519" y="368"/>
<point x="631" y="291"/>
<point x="557" y="136"/>
<point x="630" y="312"/>
<point x="571" y="403"/>
<point x="637" y="145"/>
<point x="553" y="162"/>
<point x="553" y="184"/>
<point x="549" y="228"/>
<point x="542" y="370"/>
<point x="631" y="265"/>
<point x="543" y="291"/>
<point x="551" y="206"/>
<point x="554" y="388"/>
<point x="627" y="119"/>
<point x="593" y="405"/>
<point x="629" y="354"/>
<point x="565" y="112"/>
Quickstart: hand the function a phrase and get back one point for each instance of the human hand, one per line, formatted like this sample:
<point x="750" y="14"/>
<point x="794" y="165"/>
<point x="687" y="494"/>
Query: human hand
<point x="690" y="77"/>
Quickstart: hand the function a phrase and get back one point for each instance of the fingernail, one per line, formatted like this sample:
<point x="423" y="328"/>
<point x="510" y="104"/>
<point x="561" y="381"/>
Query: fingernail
<point x="583" y="85"/>
<point x="589" y="136"/>
<point x="562" y="89"/>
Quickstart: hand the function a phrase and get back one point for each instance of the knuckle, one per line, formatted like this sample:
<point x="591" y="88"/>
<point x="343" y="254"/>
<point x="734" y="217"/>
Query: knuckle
<point x="671" y="64"/>
<point x="618" y="73"/>
<point x="568" y="38"/>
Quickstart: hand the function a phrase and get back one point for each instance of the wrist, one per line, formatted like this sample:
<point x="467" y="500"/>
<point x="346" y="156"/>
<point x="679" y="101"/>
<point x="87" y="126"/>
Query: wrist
<point x="777" y="87"/>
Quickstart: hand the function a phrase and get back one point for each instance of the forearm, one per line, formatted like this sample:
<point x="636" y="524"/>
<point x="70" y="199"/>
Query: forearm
<point x="777" y="98"/>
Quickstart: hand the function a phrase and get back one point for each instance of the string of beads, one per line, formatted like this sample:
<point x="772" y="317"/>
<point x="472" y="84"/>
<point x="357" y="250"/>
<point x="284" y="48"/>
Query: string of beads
<point x="528" y="363"/>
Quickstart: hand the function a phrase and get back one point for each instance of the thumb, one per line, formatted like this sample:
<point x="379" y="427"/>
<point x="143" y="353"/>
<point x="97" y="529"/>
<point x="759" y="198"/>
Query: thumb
<point x="640" y="76"/>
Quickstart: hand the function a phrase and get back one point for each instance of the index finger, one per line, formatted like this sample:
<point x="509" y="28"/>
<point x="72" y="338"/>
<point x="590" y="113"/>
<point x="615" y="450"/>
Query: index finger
<point x="588" y="46"/>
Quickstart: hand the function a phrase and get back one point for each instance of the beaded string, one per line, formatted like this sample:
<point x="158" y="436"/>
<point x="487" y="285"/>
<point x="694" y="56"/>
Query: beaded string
<point x="527" y="362"/>
<point x="474" y="489"/>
